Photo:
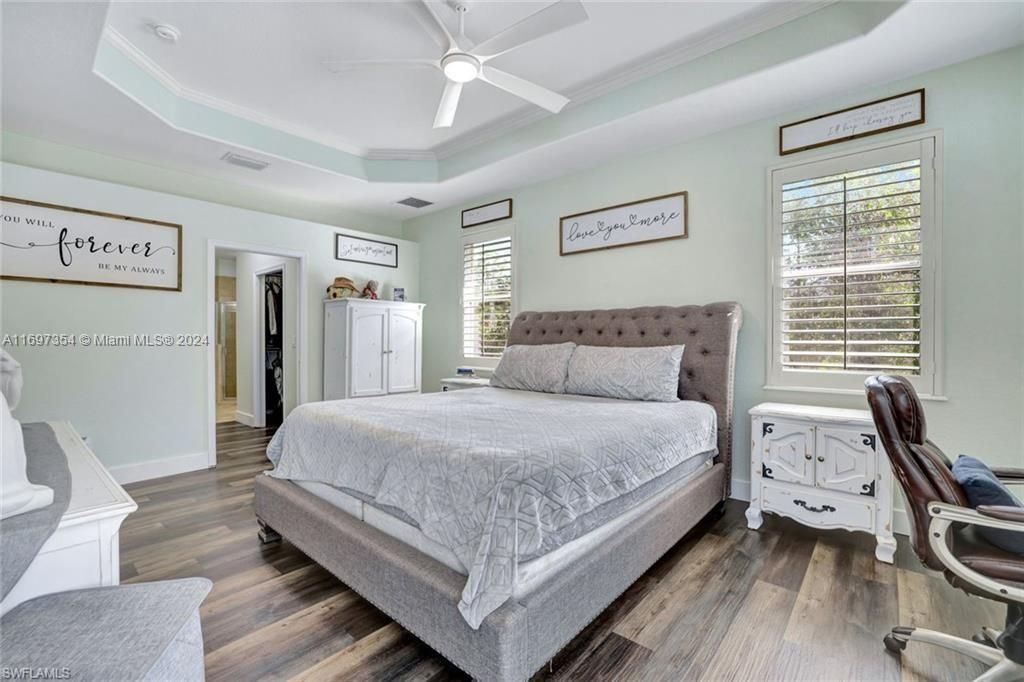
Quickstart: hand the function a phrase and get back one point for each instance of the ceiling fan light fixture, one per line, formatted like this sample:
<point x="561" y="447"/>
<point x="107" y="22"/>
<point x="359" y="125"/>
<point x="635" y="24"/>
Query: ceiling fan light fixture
<point x="460" y="67"/>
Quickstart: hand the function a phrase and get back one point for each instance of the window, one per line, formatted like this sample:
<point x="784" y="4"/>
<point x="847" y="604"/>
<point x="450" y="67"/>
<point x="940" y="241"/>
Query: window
<point x="486" y="294"/>
<point x="854" y="242"/>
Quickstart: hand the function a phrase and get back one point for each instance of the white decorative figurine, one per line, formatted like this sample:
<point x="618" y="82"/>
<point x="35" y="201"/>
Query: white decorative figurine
<point x="17" y="494"/>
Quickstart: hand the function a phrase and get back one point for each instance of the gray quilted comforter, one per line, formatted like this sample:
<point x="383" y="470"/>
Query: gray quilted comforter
<point x="495" y="475"/>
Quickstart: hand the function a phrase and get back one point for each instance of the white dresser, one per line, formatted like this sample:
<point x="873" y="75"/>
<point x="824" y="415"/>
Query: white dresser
<point x="371" y="347"/>
<point x="823" y="467"/>
<point x="83" y="551"/>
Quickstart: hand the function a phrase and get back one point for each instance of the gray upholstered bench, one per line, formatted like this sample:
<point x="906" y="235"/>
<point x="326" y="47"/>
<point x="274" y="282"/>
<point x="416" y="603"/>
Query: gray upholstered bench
<point x="148" y="631"/>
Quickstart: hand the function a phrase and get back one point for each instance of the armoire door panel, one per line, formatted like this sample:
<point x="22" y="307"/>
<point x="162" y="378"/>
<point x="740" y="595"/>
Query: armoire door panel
<point x="368" y="364"/>
<point x="403" y="351"/>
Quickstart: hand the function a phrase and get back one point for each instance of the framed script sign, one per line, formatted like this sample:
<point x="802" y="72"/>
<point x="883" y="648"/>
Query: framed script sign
<point x="647" y="220"/>
<point x="50" y="243"/>
<point x="488" y="213"/>
<point x="891" y="113"/>
<point x="360" y="250"/>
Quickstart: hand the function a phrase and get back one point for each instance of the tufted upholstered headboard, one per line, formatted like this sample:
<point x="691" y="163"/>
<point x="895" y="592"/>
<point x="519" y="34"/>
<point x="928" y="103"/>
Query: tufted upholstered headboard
<point x="709" y="333"/>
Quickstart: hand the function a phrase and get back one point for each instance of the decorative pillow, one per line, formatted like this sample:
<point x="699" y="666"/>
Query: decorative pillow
<point x="644" y="373"/>
<point x="981" y="486"/>
<point x="534" y="368"/>
<point x="10" y="379"/>
<point x="17" y="494"/>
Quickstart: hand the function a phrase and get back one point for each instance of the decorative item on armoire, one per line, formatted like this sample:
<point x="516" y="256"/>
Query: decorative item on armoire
<point x="370" y="290"/>
<point x="398" y="294"/>
<point x="342" y="287"/>
<point x="636" y="222"/>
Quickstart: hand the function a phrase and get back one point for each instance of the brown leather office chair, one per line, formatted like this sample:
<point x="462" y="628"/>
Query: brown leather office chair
<point x="943" y="531"/>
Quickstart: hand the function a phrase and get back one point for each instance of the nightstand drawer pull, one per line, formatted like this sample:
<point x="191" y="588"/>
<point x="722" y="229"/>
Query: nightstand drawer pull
<point x="816" y="510"/>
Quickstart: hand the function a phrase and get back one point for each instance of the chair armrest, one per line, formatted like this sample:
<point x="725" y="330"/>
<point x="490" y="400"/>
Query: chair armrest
<point x="1011" y="475"/>
<point x="944" y="516"/>
<point x="1001" y="512"/>
<point x="974" y="517"/>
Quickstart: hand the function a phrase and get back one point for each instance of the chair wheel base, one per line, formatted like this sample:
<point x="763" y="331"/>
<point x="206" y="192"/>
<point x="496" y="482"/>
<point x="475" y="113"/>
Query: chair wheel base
<point x="894" y="644"/>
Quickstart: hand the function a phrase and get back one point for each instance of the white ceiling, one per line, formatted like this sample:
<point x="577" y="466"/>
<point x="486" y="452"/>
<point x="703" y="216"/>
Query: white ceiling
<point x="267" y="58"/>
<point x="49" y="91"/>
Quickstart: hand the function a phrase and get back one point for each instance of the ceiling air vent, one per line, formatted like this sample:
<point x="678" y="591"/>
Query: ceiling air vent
<point x="244" y="161"/>
<point x="414" y="202"/>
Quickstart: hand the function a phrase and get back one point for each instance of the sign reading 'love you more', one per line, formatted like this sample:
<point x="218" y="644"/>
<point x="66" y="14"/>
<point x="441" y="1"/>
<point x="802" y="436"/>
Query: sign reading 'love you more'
<point x="49" y="243"/>
<point x="647" y="220"/>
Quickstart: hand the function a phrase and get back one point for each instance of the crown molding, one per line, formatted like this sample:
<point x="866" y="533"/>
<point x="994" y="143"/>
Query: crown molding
<point x="117" y="40"/>
<point x="671" y="56"/>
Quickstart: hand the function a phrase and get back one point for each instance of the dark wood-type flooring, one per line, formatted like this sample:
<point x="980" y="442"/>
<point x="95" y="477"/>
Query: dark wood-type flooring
<point x="782" y="603"/>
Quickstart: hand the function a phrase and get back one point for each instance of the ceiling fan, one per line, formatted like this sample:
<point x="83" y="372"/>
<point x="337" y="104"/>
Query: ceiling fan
<point x="463" y="61"/>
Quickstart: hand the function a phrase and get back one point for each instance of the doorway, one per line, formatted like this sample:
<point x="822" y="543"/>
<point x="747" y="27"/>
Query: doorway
<point x="256" y="363"/>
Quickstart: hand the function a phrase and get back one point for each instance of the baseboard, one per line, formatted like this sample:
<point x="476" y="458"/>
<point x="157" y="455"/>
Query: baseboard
<point x="158" y="468"/>
<point x="740" y="490"/>
<point x="245" y="418"/>
<point x="900" y="522"/>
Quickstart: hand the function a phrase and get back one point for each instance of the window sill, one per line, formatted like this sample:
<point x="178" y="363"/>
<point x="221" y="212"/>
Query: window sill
<point x="843" y="391"/>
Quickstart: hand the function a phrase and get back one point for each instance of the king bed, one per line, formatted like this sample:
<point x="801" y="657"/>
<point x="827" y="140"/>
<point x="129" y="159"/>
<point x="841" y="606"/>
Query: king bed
<point x="495" y="524"/>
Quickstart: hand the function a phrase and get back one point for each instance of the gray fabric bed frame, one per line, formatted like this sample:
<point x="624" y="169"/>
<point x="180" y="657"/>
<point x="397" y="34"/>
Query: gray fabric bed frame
<point x="518" y="638"/>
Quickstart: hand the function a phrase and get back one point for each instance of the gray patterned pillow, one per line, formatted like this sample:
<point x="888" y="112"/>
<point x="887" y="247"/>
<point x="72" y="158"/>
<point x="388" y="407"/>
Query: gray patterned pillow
<point x="650" y="373"/>
<point x="534" y="368"/>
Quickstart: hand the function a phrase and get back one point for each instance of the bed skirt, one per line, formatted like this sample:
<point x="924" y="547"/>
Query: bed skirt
<point x="421" y="594"/>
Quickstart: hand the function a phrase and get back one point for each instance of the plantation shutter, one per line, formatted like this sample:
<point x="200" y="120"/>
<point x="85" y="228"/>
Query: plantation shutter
<point x="849" y="287"/>
<point x="486" y="297"/>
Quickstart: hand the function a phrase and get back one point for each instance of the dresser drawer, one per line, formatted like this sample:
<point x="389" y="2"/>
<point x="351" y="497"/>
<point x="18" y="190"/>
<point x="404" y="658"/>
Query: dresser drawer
<point x="821" y="510"/>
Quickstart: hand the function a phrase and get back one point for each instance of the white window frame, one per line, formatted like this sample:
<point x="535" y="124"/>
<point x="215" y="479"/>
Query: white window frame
<point x="473" y="236"/>
<point x="929" y="384"/>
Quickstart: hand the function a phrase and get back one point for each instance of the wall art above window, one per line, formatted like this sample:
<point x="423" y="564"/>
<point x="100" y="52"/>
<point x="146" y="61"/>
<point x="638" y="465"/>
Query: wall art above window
<point x="891" y="113"/>
<point x="50" y="243"/>
<point x="488" y="213"/>
<point x="647" y="220"/>
<point x="362" y="250"/>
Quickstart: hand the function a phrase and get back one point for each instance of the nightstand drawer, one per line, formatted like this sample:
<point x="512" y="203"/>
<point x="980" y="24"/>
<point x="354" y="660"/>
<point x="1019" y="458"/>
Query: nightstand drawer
<point x="823" y="511"/>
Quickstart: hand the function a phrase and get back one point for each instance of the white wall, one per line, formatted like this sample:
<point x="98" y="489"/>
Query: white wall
<point x="142" y="405"/>
<point x="978" y="104"/>
<point x="248" y="330"/>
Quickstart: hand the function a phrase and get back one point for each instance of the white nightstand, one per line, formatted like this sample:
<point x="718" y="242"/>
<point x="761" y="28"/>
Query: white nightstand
<point x="459" y="383"/>
<point x="824" y="467"/>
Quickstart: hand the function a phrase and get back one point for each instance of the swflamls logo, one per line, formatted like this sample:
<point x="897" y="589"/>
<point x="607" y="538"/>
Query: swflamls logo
<point x="28" y="673"/>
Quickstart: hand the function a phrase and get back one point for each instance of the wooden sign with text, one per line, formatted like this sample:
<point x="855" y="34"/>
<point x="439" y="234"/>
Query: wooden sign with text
<point x="50" y="243"/>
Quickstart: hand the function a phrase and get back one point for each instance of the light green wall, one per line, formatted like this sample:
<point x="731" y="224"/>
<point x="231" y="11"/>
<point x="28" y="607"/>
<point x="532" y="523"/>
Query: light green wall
<point x="37" y="153"/>
<point x="141" y="404"/>
<point x="978" y="105"/>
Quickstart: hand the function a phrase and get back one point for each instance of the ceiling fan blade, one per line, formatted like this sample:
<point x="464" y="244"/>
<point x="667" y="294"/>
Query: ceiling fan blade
<point x="341" y="65"/>
<point x="432" y="23"/>
<point x="562" y="14"/>
<point x="449" y="103"/>
<point x="524" y="89"/>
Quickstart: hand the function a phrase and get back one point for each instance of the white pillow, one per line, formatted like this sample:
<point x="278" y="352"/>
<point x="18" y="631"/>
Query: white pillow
<point x="10" y="379"/>
<point x="534" y="368"/>
<point x="17" y="494"/>
<point x="628" y="373"/>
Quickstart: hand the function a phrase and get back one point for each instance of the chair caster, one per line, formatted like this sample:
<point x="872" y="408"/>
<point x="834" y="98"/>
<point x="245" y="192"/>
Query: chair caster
<point x="893" y="644"/>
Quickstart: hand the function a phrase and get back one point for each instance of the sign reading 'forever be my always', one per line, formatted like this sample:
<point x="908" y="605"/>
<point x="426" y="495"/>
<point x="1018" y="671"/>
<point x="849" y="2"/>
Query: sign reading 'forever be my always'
<point x="648" y="220"/>
<point x="50" y="243"/>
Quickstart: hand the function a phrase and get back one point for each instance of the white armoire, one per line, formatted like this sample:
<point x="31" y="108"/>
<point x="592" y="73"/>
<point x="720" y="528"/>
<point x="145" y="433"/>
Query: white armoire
<point x="371" y="347"/>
